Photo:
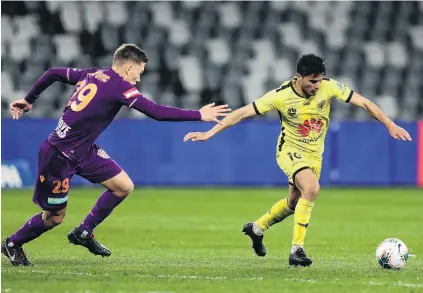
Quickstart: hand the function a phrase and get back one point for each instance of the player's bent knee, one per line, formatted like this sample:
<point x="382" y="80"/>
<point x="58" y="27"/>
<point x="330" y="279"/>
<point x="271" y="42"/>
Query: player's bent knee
<point x="121" y="185"/>
<point x="124" y="189"/>
<point x="128" y="188"/>
<point x="311" y="191"/>
<point x="53" y="218"/>
<point x="56" y="221"/>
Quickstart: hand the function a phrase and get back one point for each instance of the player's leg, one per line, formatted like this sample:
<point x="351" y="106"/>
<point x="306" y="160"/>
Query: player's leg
<point x="99" y="168"/>
<point x="307" y="183"/>
<point x="118" y="188"/>
<point x="49" y="196"/>
<point x="277" y="213"/>
<point x="280" y="210"/>
<point x="289" y="160"/>
<point x="11" y="247"/>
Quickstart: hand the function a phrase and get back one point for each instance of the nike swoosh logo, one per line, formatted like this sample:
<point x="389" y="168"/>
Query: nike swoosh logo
<point x="303" y="225"/>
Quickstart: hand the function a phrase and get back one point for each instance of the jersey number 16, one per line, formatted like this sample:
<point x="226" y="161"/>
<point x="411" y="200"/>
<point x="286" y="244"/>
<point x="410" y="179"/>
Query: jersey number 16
<point x="296" y="155"/>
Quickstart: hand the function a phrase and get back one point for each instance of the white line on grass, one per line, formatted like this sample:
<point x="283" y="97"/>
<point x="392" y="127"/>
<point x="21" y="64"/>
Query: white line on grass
<point x="151" y="276"/>
<point x="408" y="285"/>
<point x="9" y="290"/>
<point x="300" y="280"/>
<point x="397" y="284"/>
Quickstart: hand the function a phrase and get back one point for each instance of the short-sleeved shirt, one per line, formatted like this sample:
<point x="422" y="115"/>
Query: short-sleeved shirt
<point x="305" y="121"/>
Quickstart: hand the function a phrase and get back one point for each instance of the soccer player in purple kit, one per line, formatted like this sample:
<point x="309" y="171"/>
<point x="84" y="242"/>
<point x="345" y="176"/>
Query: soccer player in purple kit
<point x="70" y="148"/>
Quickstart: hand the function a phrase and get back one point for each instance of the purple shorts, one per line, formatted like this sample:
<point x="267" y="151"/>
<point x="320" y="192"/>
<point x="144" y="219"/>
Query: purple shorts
<point x="55" y="172"/>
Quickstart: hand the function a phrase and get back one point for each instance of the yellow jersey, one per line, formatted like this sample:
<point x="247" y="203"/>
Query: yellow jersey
<point x="305" y="121"/>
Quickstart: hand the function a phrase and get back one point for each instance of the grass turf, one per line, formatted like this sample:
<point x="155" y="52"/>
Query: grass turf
<point x="190" y="240"/>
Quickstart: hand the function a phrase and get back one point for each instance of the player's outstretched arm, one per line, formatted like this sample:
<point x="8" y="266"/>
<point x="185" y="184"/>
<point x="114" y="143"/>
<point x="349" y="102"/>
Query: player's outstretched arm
<point x="232" y="119"/>
<point x="166" y="113"/>
<point x="65" y="75"/>
<point x="394" y="130"/>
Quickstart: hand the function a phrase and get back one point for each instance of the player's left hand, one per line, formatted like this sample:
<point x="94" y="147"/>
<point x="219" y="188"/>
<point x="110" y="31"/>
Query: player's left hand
<point x="210" y="112"/>
<point x="399" y="133"/>
<point x="19" y="107"/>
<point x="197" y="136"/>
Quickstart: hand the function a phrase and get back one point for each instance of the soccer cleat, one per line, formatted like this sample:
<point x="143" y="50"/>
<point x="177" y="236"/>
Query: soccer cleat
<point x="15" y="254"/>
<point x="299" y="258"/>
<point x="76" y="237"/>
<point x="258" y="246"/>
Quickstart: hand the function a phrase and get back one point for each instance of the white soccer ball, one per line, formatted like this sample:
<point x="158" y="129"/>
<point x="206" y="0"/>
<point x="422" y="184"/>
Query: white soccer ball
<point x="392" y="253"/>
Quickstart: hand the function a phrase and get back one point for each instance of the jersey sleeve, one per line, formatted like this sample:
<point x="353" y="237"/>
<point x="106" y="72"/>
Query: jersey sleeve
<point x="73" y="75"/>
<point x="65" y="75"/>
<point x="267" y="102"/>
<point x="340" y="91"/>
<point x="132" y="98"/>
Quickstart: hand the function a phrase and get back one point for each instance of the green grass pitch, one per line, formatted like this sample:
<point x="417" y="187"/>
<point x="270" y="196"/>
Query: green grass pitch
<point x="190" y="240"/>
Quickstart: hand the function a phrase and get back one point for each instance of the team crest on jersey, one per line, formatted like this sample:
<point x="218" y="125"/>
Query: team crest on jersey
<point x="292" y="112"/>
<point x="131" y="93"/>
<point x="102" y="154"/>
<point x="310" y="125"/>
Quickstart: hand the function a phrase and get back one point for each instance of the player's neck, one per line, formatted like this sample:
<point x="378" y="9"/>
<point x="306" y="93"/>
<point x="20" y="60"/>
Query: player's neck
<point x="299" y="89"/>
<point x="119" y="71"/>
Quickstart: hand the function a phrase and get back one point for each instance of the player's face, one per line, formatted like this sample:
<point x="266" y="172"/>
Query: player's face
<point x="310" y="83"/>
<point x="133" y="72"/>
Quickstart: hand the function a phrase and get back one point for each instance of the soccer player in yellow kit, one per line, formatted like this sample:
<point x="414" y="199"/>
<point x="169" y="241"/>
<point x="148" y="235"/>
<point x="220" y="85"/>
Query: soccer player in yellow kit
<point x="303" y="104"/>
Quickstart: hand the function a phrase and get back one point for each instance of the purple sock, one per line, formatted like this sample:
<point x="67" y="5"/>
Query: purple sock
<point x="28" y="232"/>
<point x="102" y="209"/>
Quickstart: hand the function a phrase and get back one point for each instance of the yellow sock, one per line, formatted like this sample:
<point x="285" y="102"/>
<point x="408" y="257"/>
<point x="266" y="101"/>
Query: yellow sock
<point x="301" y="219"/>
<point x="277" y="213"/>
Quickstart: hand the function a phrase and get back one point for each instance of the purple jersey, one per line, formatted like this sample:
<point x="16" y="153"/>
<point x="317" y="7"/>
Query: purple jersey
<point x="97" y="99"/>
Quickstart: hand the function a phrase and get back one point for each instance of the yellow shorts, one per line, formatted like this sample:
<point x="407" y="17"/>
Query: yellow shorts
<point x="291" y="161"/>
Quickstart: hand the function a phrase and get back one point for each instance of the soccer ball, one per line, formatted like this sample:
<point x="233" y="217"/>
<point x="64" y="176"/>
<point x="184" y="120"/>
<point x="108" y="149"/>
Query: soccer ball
<point x="392" y="254"/>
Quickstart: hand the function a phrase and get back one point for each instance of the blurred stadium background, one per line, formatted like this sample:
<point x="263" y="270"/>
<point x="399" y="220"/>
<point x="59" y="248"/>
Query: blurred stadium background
<point x="207" y="51"/>
<point x="226" y="52"/>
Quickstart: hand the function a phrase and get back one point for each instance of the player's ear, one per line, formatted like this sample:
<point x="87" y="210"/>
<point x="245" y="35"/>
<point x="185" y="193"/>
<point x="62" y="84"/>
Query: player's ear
<point x="128" y="68"/>
<point x="298" y="76"/>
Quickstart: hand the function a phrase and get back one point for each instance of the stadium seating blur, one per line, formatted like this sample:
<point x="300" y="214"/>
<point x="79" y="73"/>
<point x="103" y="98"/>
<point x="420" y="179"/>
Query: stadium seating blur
<point x="231" y="52"/>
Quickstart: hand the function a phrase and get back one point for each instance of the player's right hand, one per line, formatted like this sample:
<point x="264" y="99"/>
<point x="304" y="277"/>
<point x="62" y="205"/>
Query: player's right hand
<point x="399" y="133"/>
<point x="210" y="112"/>
<point x="19" y="107"/>
<point x="197" y="136"/>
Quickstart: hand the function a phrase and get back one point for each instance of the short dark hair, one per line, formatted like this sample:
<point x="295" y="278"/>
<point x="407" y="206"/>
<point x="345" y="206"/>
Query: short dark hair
<point x="129" y="52"/>
<point x="311" y="64"/>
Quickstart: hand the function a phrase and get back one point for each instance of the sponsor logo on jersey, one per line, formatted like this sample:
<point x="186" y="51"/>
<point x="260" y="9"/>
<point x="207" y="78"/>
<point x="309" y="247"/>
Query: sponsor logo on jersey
<point x="307" y="103"/>
<point x="131" y="93"/>
<point x="311" y="125"/>
<point x="314" y="139"/>
<point x="62" y="128"/>
<point x="54" y="200"/>
<point x="292" y="112"/>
